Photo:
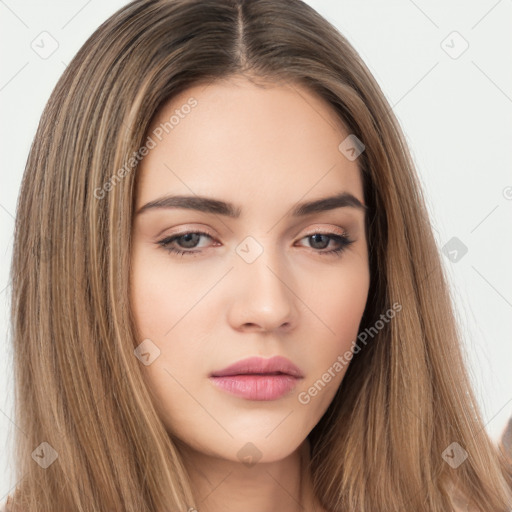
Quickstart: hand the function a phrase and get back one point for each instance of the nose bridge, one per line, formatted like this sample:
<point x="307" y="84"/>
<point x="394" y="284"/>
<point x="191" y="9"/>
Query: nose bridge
<point x="264" y="295"/>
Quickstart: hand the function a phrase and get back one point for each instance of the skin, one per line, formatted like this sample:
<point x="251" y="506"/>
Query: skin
<point x="264" y="149"/>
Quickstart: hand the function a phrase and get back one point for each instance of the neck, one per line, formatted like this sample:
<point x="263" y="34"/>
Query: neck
<point x="222" y="485"/>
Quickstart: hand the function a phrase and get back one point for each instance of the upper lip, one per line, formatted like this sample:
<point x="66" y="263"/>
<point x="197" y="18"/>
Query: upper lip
<point x="259" y="365"/>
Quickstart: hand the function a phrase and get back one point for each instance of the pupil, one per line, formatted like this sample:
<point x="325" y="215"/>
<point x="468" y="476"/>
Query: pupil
<point x="315" y="239"/>
<point x="190" y="237"/>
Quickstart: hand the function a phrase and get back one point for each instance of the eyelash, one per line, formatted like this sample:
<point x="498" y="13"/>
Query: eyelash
<point x="344" y="240"/>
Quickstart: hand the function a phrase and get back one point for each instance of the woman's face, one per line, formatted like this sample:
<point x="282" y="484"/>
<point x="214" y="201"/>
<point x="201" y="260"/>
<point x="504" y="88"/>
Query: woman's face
<point x="254" y="279"/>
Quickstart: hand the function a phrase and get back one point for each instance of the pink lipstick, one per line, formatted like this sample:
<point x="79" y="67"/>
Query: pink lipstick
<point x="256" y="378"/>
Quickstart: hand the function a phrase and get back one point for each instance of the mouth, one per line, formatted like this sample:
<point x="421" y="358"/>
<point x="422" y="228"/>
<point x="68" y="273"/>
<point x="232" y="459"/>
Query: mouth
<point x="260" y="366"/>
<point x="261" y="387"/>
<point x="258" y="379"/>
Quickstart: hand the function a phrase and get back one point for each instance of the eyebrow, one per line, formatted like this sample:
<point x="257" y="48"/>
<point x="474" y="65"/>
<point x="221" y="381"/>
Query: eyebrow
<point x="216" y="206"/>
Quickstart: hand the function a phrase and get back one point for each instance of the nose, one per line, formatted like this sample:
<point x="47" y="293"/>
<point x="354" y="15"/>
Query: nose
<point x="264" y="297"/>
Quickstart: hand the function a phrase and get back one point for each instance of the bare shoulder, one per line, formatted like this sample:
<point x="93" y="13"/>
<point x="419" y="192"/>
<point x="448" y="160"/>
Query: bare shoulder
<point x="5" y="504"/>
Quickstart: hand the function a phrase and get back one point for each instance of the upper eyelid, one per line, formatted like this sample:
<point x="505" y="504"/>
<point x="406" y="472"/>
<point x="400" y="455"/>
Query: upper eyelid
<point x="318" y="230"/>
<point x="204" y="231"/>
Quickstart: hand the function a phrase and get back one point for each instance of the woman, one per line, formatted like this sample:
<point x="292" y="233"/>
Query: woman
<point x="226" y="292"/>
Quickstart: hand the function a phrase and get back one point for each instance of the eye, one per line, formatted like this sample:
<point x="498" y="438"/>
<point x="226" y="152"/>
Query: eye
<point x="188" y="239"/>
<point x="342" y="241"/>
<point x="184" y="243"/>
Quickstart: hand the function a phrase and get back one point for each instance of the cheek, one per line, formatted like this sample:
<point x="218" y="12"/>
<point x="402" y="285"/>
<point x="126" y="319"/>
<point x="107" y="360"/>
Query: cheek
<point x="153" y="305"/>
<point x="338" y="301"/>
<point x="150" y="288"/>
<point x="170" y="376"/>
<point x="163" y="303"/>
<point x="162" y="293"/>
<point x="343" y="305"/>
<point x="340" y="306"/>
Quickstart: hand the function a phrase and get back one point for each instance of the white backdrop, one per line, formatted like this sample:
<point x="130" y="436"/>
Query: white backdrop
<point x="445" y="67"/>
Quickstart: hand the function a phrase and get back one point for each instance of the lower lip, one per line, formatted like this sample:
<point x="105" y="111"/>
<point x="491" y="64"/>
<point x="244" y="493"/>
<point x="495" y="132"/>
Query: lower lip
<point x="256" y="387"/>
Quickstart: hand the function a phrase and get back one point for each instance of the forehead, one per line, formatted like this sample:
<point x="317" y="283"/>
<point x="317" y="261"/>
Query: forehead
<point x="234" y="138"/>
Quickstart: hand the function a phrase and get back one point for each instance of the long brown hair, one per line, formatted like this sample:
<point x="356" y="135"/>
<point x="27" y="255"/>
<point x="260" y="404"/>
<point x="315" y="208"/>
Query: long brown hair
<point x="405" y="398"/>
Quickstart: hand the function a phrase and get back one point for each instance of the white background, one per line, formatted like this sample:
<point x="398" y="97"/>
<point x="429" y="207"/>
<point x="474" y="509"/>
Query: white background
<point x="455" y="112"/>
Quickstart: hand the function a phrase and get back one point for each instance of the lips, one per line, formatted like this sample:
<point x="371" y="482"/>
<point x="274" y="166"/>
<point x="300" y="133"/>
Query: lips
<point x="276" y="365"/>
<point x="256" y="378"/>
